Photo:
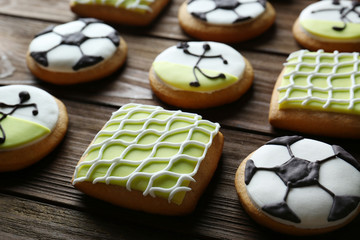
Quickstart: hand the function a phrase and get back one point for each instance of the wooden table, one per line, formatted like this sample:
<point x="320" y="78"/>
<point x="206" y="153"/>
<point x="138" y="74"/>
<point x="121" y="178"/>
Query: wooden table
<point x="40" y="203"/>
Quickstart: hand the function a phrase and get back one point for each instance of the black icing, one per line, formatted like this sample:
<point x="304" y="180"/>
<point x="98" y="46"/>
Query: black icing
<point x="229" y="5"/>
<point x="24" y="96"/>
<point x="86" y="61"/>
<point x="185" y="47"/>
<point x="90" y="20"/>
<point x="250" y="171"/>
<point x="284" y="141"/>
<point x="40" y="57"/>
<point x="46" y="30"/>
<point x="282" y="210"/>
<point x="115" y="38"/>
<point x="342" y="206"/>
<point x="341" y="153"/>
<point x="75" y="39"/>
<point x="343" y="11"/>
<point x="297" y="172"/>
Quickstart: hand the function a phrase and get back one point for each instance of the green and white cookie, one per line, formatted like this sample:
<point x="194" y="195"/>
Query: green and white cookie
<point x="318" y="93"/>
<point x="329" y="25"/>
<point x="29" y="117"/>
<point x="153" y="153"/>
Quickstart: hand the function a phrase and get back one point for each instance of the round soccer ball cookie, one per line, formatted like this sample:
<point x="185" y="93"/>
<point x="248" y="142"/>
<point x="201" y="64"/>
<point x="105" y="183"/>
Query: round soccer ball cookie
<point x="74" y="52"/>
<point x="300" y="186"/>
<point x="226" y="21"/>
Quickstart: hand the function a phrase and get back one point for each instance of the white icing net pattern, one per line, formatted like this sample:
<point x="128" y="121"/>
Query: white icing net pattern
<point x="194" y="124"/>
<point x="330" y="90"/>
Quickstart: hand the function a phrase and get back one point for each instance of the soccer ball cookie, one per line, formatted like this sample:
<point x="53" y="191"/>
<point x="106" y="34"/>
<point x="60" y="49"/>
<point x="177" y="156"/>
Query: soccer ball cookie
<point x="226" y="21"/>
<point x="300" y="186"/>
<point x="151" y="159"/>
<point x="75" y="52"/>
<point x="318" y="93"/>
<point x="128" y="12"/>
<point x="329" y="25"/>
<point x="32" y="124"/>
<point x="200" y="75"/>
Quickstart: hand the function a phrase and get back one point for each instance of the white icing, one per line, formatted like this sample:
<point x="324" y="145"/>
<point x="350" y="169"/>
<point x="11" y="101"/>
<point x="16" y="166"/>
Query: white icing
<point x="97" y="30"/>
<point x="350" y="179"/>
<point x="317" y="65"/>
<point x="247" y="8"/>
<point x="48" y="110"/>
<point x="263" y="186"/>
<point x="45" y="42"/>
<point x="69" y="28"/>
<point x="129" y="110"/>
<point x="63" y="57"/>
<point x="311" y="150"/>
<point x="319" y="205"/>
<point x="329" y="15"/>
<point x="98" y="47"/>
<point x="260" y="156"/>
<point x="311" y="203"/>
<point x="235" y="65"/>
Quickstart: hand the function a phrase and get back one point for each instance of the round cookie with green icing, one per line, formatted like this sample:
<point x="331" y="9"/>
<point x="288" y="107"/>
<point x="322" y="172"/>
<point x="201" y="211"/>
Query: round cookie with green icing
<point x="226" y="20"/>
<point x="32" y="124"/>
<point x="330" y="25"/>
<point x="318" y="93"/>
<point x="151" y="159"/>
<point x="300" y="186"/>
<point x="127" y="12"/>
<point x="200" y="75"/>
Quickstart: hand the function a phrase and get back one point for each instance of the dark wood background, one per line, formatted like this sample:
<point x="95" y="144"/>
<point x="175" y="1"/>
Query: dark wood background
<point x="40" y="203"/>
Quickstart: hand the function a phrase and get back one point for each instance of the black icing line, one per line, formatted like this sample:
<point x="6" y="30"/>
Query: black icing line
<point x="343" y="11"/>
<point x="24" y="96"/>
<point x="185" y="47"/>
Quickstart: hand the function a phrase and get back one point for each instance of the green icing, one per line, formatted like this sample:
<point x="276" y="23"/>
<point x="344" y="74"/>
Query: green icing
<point x="338" y="88"/>
<point x="20" y="132"/>
<point x="151" y="152"/>
<point x="180" y="76"/>
<point x="325" y="29"/>
<point x="141" y="6"/>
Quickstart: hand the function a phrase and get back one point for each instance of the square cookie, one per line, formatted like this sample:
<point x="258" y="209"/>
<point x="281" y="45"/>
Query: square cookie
<point x="318" y="93"/>
<point x="126" y="12"/>
<point x="151" y="159"/>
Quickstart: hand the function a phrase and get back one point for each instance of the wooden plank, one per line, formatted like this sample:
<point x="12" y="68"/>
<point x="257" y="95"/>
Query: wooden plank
<point x="27" y="219"/>
<point x="218" y="215"/>
<point x="278" y="39"/>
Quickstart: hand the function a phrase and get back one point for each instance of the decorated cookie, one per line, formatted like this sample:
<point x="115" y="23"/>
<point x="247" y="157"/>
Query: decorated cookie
<point x="200" y="75"/>
<point x="300" y="186"/>
<point x="151" y="159"/>
<point x="318" y="93"/>
<point x="32" y="124"/>
<point x="226" y="21"/>
<point x="330" y="25"/>
<point x="128" y="12"/>
<point x="75" y="52"/>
